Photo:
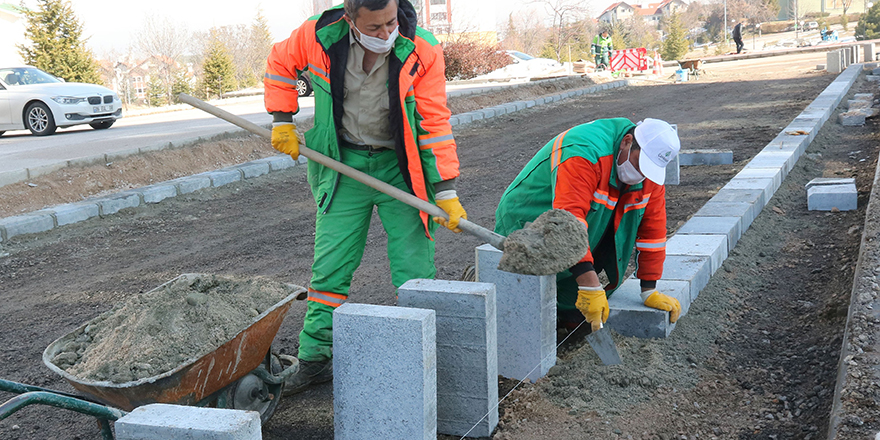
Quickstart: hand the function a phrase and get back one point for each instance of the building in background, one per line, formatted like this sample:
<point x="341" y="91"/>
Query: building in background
<point x="653" y="13"/>
<point x="12" y="26"/>
<point x="457" y="19"/>
<point x="789" y="9"/>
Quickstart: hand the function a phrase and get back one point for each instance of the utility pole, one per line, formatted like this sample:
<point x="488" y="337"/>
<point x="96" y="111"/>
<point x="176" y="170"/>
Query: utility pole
<point x="725" y="22"/>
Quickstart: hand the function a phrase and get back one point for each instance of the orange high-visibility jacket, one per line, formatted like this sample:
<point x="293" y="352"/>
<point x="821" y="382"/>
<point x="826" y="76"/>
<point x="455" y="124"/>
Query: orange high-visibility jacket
<point x="419" y="116"/>
<point x="577" y="172"/>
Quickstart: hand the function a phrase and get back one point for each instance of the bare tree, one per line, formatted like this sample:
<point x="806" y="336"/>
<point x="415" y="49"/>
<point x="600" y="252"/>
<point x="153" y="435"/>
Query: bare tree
<point x="567" y="19"/>
<point x="525" y="33"/>
<point x="166" y="42"/>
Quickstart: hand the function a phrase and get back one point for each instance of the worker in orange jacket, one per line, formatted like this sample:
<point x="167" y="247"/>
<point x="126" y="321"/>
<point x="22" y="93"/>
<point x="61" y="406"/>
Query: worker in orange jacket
<point x="380" y="107"/>
<point x="609" y="173"/>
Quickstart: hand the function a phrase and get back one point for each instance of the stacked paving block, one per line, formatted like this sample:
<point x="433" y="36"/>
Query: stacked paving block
<point x="159" y="421"/>
<point x="467" y="359"/>
<point x="834" y="61"/>
<point x="526" y="317"/>
<point x="863" y="103"/>
<point x="829" y="194"/>
<point x="699" y="247"/>
<point x="705" y="157"/>
<point x="384" y="372"/>
<point x="868" y="49"/>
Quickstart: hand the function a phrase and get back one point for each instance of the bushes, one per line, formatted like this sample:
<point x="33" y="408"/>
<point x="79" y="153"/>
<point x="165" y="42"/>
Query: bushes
<point x="467" y="59"/>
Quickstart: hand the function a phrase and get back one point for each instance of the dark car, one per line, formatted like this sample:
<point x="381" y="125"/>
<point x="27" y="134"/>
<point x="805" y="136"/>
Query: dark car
<point x="304" y="84"/>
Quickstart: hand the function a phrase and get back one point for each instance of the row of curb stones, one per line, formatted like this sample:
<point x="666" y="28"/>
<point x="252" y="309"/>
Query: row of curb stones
<point x="61" y="215"/>
<point x="700" y="246"/>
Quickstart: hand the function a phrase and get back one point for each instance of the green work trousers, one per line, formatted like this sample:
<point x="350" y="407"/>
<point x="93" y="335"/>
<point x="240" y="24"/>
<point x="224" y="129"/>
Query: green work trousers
<point x="340" y="237"/>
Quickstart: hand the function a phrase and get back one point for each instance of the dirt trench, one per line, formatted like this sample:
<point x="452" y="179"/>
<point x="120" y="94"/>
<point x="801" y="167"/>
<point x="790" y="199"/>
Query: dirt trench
<point x="786" y="282"/>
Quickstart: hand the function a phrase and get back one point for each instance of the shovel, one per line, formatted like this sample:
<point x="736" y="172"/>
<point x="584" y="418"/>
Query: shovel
<point x="523" y="250"/>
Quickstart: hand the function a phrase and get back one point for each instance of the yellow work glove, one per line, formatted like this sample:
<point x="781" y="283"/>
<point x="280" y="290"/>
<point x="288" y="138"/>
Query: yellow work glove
<point x="657" y="300"/>
<point x="456" y="212"/>
<point x="593" y="303"/>
<point x="285" y="140"/>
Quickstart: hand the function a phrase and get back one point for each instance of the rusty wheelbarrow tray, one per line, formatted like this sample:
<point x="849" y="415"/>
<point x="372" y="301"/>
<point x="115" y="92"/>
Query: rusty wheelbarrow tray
<point x="240" y="374"/>
<point x="694" y="67"/>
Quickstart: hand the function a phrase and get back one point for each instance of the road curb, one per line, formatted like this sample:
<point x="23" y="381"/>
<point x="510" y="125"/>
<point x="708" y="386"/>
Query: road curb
<point x="45" y="219"/>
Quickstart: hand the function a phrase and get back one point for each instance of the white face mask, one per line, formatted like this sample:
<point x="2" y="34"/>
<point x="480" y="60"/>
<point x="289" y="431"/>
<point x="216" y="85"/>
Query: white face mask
<point x="376" y="44"/>
<point x="627" y="172"/>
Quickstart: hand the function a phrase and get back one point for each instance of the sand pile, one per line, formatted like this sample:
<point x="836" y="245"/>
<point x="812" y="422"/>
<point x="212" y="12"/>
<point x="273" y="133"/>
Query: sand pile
<point x="157" y="331"/>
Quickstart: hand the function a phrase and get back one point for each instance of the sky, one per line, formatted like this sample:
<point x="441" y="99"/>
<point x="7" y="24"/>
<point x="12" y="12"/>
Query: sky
<point x="111" y="25"/>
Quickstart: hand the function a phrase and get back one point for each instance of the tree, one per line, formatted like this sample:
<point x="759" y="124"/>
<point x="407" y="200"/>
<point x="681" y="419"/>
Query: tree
<point x="568" y="22"/>
<point x="156" y="96"/>
<point x="56" y="43"/>
<point x="868" y="27"/>
<point x="675" y="45"/>
<point x="526" y="33"/>
<point x="181" y="85"/>
<point x="166" y="42"/>
<point x="259" y="45"/>
<point x="219" y="70"/>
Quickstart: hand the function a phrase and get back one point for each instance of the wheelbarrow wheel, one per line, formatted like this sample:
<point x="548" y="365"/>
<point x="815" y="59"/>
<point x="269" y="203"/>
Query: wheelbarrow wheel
<point x="250" y="393"/>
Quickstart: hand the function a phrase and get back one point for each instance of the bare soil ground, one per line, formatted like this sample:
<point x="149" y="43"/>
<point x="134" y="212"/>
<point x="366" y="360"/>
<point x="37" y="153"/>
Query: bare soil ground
<point x="754" y="359"/>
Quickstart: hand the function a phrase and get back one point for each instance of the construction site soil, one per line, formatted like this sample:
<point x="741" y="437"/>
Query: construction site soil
<point x="755" y="358"/>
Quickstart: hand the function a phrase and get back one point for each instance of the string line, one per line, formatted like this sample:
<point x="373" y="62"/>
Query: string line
<point x="521" y="381"/>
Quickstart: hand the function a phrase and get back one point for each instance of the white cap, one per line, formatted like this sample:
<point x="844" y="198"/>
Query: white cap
<point x="659" y="145"/>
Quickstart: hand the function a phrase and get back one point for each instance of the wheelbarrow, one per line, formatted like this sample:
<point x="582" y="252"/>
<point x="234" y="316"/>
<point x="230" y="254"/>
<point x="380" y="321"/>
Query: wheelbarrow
<point x="694" y="67"/>
<point x="242" y="374"/>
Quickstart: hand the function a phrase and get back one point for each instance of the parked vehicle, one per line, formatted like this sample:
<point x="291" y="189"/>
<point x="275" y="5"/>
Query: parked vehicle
<point x="811" y="26"/>
<point x="37" y="101"/>
<point x="304" y="85"/>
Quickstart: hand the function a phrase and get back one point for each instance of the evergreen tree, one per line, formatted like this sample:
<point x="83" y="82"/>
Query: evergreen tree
<point x="219" y="70"/>
<point x="259" y="46"/>
<point x="675" y="45"/>
<point x="56" y="43"/>
<point x="868" y="27"/>
<point x="181" y="85"/>
<point x="156" y="96"/>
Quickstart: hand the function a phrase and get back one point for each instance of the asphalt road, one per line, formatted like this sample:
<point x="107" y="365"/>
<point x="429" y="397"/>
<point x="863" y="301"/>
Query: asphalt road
<point x="19" y="149"/>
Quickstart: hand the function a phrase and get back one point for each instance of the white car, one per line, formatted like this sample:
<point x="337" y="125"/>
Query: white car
<point x="37" y="101"/>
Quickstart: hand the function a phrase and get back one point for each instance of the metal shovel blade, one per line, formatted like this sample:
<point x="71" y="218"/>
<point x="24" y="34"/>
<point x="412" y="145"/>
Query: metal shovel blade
<point x="604" y="346"/>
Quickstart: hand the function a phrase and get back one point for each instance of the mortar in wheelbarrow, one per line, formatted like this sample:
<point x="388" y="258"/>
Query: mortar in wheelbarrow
<point x="196" y="378"/>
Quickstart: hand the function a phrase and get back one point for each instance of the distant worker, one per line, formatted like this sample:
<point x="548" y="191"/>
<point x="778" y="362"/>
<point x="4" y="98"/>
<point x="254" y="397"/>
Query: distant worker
<point x="598" y="171"/>
<point x="601" y="50"/>
<point x="380" y="107"/>
<point x="738" y="37"/>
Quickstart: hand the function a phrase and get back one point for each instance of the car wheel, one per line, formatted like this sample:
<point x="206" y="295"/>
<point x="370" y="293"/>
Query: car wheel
<point x="103" y="125"/>
<point x="39" y="120"/>
<point x="303" y="86"/>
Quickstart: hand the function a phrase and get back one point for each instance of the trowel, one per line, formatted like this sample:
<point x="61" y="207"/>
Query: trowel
<point x="604" y="346"/>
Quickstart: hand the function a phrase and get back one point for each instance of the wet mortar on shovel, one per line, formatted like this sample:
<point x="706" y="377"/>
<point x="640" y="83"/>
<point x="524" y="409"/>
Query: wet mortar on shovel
<point x="554" y="242"/>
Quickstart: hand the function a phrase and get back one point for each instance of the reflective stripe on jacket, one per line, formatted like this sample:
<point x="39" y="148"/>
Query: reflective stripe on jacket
<point x="577" y="172"/>
<point x="419" y="116"/>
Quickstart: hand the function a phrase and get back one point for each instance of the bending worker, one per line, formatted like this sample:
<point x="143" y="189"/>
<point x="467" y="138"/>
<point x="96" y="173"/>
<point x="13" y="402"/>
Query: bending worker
<point x="380" y="107"/>
<point x="609" y="173"/>
<point x="601" y="50"/>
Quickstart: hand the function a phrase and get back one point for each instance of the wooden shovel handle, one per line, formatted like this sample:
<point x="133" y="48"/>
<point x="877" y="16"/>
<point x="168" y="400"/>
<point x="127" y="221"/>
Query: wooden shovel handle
<point x="491" y="237"/>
